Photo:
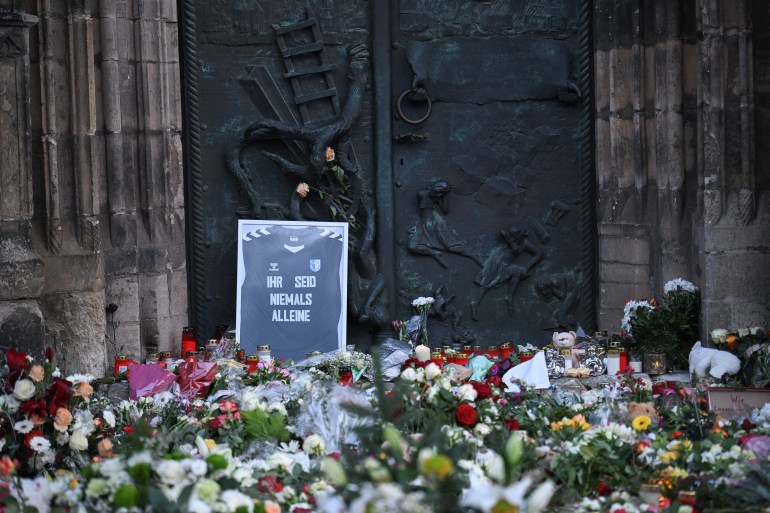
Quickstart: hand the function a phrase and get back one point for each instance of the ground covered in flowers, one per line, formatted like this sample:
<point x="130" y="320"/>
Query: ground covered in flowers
<point x="295" y="440"/>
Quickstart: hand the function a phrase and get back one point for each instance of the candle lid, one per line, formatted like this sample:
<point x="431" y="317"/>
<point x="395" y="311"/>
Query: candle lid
<point x="264" y="347"/>
<point x="252" y="358"/>
<point x="121" y="357"/>
<point x="492" y="348"/>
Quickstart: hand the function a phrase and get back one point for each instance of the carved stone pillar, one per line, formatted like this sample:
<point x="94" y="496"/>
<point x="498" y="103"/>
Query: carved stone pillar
<point x="678" y="189"/>
<point x="21" y="268"/>
<point x="732" y="255"/>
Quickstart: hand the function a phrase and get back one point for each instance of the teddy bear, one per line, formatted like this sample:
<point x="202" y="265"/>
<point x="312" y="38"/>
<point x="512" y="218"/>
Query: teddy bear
<point x="563" y="340"/>
<point x="635" y="409"/>
<point x="716" y="362"/>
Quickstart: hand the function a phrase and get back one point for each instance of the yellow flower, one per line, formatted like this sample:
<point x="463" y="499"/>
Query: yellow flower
<point x="210" y="443"/>
<point x="555" y="426"/>
<point x="668" y="456"/>
<point x="437" y="465"/>
<point x="503" y="506"/>
<point x="674" y="473"/>
<point x="641" y="422"/>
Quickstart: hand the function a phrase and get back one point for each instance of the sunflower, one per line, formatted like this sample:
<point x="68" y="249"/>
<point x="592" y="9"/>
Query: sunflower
<point x="641" y="422"/>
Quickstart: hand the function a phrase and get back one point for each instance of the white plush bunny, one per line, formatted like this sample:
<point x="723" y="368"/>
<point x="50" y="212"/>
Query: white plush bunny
<point x="715" y="362"/>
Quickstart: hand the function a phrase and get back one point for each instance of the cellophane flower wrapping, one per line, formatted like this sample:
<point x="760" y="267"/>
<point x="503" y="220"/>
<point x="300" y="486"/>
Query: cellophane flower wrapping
<point x="195" y="379"/>
<point x="325" y="412"/>
<point x="393" y="353"/>
<point x="147" y="380"/>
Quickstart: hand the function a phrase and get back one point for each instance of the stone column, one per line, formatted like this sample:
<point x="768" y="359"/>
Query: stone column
<point x="21" y="268"/>
<point x="734" y="222"/>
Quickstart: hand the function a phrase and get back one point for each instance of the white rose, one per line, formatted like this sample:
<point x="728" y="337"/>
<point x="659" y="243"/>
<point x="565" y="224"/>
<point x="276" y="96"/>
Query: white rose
<point x="24" y="389"/>
<point x="432" y="371"/>
<point x="719" y="336"/>
<point x="314" y="444"/>
<point x="277" y="408"/>
<point x="482" y="430"/>
<point x="409" y="374"/>
<point x="466" y="393"/>
<point x="171" y="472"/>
<point x="78" y="441"/>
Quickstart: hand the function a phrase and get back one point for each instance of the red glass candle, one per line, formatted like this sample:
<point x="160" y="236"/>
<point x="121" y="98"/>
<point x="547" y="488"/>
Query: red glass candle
<point x="121" y="364"/>
<point x="477" y="350"/>
<point x="623" y="360"/>
<point x="251" y="363"/>
<point x="506" y="349"/>
<point x="345" y="376"/>
<point x="467" y="350"/>
<point x="461" y="359"/>
<point x="188" y="340"/>
<point x="192" y="356"/>
<point x="525" y="356"/>
<point x="493" y="352"/>
<point x="436" y="358"/>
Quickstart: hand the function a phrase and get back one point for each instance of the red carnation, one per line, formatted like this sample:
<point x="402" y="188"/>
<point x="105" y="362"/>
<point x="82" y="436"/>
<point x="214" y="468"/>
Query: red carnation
<point x="466" y="415"/>
<point x="483" y="390"/>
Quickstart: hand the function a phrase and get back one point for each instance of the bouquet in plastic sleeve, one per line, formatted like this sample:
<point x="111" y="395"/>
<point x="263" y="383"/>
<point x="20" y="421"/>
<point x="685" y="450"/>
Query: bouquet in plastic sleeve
<point x="195" y="378"/>
<point x="148" y="380"/>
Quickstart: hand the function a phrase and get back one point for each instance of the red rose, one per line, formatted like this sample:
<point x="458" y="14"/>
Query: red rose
<point x="129" y="430"/>
<point x="495" y="381"/>
<point x="483" y="391"/>
<point x="466" y="415"/>
<point x="511" y="424"/>
<point x="603" y="489"/>
<point x="747" y="425"/>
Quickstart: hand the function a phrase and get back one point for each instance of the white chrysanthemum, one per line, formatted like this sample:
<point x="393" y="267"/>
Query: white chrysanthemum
<point x="679" y="284"/>
<point x="39" y="444"/>
<point x="83" y="422"/>
<point x="630" y="310"/>
<point x="80" y="378"/>
<point x="9" y="403"/>
<point x="24" y="426"/>
<point x="422" y="301"/>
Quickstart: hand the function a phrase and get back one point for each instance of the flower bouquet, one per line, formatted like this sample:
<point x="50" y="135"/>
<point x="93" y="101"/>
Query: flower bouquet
<point x="752" y="346"/>
<point x="670" y="328"/>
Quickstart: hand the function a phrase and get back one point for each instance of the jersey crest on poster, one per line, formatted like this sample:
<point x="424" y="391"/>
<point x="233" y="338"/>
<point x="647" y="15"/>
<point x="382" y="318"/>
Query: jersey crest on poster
<point x="315" y="265"/>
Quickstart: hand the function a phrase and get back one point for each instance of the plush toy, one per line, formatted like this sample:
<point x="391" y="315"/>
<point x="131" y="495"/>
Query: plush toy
<point x="635" y="409"/>
<point x="563" y="340"/>
<point x="716" y="362"/>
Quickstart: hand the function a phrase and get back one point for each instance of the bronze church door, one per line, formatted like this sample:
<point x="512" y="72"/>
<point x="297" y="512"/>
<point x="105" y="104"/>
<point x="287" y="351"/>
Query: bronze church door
<point x="461" y="139"/>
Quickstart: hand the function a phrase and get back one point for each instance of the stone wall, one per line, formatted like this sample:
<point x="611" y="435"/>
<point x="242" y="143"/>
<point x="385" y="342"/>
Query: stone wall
<point x="105" y="217"/>
<point x="92" y="192"/>
<point x="682" y="187"/>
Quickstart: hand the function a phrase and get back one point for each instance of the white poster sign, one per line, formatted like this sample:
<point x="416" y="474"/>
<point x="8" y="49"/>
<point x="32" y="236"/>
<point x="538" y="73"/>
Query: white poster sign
<point x="292" y="286"/>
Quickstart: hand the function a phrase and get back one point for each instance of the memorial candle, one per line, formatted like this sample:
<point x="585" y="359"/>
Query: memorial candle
<point x="422" y="352"/>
